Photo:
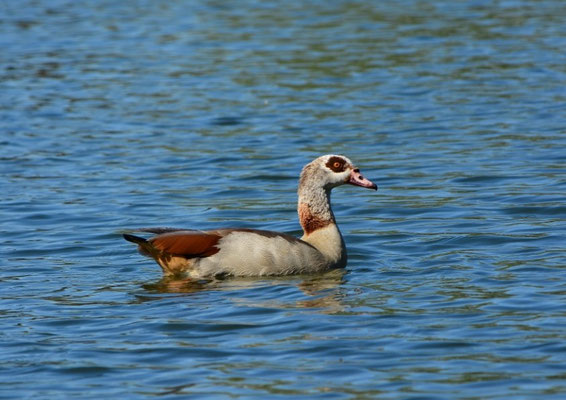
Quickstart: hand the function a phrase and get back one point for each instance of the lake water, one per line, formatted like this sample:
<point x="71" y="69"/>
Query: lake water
<point x="200" y="114"/>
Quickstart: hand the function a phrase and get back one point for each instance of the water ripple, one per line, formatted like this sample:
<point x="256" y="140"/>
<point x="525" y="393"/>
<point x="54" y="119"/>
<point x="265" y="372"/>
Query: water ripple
<point x="201" y="114"/>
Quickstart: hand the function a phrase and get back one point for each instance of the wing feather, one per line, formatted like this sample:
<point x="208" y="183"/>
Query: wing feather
<point x="188" y="244"/>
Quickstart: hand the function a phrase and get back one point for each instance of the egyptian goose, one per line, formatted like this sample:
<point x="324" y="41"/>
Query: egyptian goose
<point x="250" y="252"/>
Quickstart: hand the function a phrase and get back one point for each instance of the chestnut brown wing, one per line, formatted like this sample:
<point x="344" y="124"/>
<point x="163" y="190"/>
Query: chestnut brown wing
<point x="188" y="244"/>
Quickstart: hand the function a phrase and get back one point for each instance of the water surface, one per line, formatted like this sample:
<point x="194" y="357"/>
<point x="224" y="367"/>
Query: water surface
<point x="201" y="114"/>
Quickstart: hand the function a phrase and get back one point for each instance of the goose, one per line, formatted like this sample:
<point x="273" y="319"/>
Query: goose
<point x="195" y="254"/>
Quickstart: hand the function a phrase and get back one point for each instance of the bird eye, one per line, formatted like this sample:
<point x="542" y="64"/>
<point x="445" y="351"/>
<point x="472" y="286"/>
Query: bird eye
<point x="336" y="164"/>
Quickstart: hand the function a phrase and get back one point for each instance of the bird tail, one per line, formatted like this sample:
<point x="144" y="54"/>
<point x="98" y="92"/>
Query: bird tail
<point x="134" y="239"/>
<point x="144" y="246"/>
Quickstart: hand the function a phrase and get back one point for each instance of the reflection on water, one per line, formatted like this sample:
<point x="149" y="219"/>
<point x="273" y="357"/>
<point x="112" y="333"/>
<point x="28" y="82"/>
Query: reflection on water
<point x="321" y="291"/>
<point x="170" y="285"/>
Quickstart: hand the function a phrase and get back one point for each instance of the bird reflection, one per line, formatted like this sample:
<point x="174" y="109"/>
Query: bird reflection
<point x="322" y="291"/>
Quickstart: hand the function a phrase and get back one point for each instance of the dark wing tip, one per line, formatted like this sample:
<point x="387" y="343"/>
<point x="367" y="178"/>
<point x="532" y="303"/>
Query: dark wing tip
<point x="134" y="239"/>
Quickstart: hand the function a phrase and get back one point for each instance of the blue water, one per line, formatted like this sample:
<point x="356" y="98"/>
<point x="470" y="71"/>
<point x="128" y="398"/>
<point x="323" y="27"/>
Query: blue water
<point x="200" y="114"/>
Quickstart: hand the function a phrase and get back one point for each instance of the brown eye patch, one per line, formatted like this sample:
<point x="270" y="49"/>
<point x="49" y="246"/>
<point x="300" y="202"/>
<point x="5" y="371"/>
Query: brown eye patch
<point x="336" y="164"/>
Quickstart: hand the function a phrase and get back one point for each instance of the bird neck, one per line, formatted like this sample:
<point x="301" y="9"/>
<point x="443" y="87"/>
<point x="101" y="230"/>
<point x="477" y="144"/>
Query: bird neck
<point x="319" y="225"/>
<point x="314" y="209"/>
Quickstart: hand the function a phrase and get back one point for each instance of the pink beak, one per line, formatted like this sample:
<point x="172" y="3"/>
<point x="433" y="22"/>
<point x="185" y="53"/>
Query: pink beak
<point x="357" y="179"/>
